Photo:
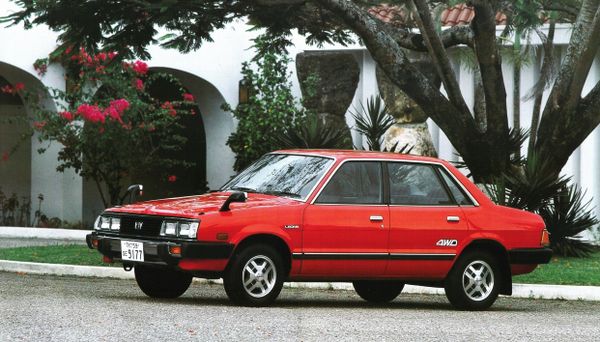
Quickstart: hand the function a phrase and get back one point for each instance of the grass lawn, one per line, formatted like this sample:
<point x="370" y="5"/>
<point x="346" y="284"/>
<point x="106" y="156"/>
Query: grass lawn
<point x="65" y="254"/>
<point x="560" y="271"/>
<point x="565" y="271"/>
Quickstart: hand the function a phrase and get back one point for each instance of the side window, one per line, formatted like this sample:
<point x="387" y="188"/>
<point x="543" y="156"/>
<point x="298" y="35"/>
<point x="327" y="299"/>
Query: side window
<point x="354" y="183"/>
<point x="458" y="194"/>
<point x="416" y="184"/>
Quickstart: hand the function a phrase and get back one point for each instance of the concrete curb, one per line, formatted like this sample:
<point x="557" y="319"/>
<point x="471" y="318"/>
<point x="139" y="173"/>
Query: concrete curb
<point x="43" y="233"/>
<point x="590" y="293"/>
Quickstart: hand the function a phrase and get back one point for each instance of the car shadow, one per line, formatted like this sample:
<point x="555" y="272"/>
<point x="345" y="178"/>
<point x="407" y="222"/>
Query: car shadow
<point x="324" y="303"/>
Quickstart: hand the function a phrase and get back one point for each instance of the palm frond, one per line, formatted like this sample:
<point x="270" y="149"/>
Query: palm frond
<point x="373" y="121"/>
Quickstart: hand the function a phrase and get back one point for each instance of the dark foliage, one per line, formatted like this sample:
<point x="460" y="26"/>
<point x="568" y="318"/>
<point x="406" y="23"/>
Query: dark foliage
<point x="373" y="121"/>
<point x="312" y="132"/>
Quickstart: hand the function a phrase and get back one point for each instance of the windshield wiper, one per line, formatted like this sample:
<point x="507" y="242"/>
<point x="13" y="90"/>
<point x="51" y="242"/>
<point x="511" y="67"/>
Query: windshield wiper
<point x="242" y="188"/>
<point x="282" y="193"/>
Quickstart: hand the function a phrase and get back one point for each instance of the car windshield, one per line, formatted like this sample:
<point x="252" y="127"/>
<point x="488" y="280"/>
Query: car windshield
<point x="287" y="175"/>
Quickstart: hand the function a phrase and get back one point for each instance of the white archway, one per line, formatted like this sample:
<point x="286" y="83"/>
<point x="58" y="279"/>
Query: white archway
<point x="218" y="126"/>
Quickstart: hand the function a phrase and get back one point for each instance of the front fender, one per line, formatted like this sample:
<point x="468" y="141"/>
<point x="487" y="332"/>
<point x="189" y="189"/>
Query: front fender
<point x="261" y="229"/>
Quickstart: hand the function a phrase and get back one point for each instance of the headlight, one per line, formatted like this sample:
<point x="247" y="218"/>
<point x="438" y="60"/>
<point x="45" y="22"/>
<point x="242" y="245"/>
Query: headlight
<point x="168" y="228"/>
<point x="115" y="223"/>
<point x="97" y="223"/>
<point x="104" y="222"/>
<point x="185" y="229"/>
<point x="107" y="223"/>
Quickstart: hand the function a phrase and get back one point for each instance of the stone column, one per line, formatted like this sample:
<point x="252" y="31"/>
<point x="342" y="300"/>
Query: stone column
<point x="410" y="127"/>
<point x="337" y="74"/>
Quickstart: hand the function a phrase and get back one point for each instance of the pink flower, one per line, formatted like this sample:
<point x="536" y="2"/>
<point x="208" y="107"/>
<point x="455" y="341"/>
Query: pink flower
<point x="101" y="56"/>
<point x="67" y="115"/>
<point x="113" y="113"/>
<point x="169" y="107"/>
<point x="91" y="113"/>
<point x="68" y="50"/>
<point x="18" y="87"/>
<point x="120" y="105"/>
<point x="112" y="54"/>
<point x="140" y="67"/>
<point x="139" y="84"/>
<point x="5" y="156"/>
<point x="39" y="124"/>
<point x="188" y="97"/>
<point x="7" y="89"/>
<point x="172" y="178"/>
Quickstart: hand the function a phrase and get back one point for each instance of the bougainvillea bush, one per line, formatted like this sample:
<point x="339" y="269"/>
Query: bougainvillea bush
<point x="109" y="127"/>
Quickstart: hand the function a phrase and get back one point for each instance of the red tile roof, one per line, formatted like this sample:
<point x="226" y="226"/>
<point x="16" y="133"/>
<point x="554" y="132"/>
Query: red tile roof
<point x="460" y="14"/>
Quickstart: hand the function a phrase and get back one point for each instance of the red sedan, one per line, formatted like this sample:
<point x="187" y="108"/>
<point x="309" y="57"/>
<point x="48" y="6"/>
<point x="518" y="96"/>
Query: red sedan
<point x="378" y="220"/>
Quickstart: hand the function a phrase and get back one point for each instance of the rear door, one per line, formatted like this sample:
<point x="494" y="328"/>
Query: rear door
<point x="427" y="224"/>
<point x="345" y="231"/>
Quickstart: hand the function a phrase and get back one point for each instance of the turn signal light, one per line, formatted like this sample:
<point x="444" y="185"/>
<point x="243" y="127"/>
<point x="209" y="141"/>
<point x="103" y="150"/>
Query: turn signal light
<point x="94" y="243"/>
<point x="175" y="250"/>
<point x="545" y="238"/>
<point x="107" y="260"/>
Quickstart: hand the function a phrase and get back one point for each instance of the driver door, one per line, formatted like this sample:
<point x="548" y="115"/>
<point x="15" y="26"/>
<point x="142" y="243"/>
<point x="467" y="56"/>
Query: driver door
<point x="345" y="230"/>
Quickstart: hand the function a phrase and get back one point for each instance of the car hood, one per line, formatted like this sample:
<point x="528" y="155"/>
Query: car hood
<point x="192" y="206"/>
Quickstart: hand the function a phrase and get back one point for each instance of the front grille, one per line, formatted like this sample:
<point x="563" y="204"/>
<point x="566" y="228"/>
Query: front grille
<point x="150" y="225"/>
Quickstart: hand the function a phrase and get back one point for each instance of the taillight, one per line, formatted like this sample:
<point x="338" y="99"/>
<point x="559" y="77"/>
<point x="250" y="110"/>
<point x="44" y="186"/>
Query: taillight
<point x="545" y="238"/>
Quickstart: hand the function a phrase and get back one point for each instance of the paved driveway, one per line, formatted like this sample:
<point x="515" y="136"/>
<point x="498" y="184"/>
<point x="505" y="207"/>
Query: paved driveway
<point x="49" y="308"/>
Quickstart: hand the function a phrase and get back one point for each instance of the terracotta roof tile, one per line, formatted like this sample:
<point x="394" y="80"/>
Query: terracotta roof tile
<point x="460" y="14"/>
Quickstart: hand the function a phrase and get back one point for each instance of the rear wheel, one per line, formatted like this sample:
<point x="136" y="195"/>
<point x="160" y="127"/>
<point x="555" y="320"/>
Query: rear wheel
<point x="378" y="291"/>
<point x="255" y="276"/>
<point x="161" y="282"/>
<point x="474" y="282"/>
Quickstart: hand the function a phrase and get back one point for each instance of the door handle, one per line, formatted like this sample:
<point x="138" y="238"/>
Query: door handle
<point x="376" y="218"/>
<point x="453" y="219"/>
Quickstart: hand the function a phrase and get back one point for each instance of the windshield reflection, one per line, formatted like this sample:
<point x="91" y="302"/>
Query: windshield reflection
<point x="286" y="175"/>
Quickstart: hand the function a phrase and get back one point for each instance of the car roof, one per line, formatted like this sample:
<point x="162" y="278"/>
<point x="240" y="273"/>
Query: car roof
<point x="354" y="154"/>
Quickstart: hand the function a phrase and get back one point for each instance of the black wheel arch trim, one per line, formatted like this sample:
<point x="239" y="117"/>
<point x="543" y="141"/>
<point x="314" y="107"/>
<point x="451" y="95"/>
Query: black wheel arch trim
<point x="529" y="256"/>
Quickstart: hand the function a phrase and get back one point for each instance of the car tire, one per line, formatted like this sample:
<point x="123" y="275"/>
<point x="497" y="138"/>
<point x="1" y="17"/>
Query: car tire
<point x="474" y="282"/>
<point x="255" y="276"/>
<point x="378" y="291"/>
<point x="158" y="282"/>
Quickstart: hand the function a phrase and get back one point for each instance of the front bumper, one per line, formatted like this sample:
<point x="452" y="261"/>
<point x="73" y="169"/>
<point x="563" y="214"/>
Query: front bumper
<point x="157" y="251"/>
<point x="529" y="256"/>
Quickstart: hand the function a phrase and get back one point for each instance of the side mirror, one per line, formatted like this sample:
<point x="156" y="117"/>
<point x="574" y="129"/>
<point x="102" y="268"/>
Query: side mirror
<point x="234" y="197"/>
<point x="133" y="191"/>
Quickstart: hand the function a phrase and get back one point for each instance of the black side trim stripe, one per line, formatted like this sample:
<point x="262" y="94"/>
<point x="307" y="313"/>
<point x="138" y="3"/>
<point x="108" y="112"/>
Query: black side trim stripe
<point x="372" y="256"/>
<point x="409" y="256"/>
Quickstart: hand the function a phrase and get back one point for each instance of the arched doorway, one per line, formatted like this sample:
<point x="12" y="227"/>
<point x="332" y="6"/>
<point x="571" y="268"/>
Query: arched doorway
<point x="15" y="154"/>
<point x="207" y="133"/>
<point x="163" y="181"/>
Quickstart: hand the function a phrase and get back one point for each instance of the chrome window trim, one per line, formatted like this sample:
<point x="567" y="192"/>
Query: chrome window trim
<point x="475" y="203"/>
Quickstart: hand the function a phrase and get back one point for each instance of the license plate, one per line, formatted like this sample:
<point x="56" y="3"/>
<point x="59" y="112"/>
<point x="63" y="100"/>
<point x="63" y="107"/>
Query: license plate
<point x="132" y="251"/>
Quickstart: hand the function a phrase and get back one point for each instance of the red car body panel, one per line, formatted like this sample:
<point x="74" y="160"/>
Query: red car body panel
<point x="337" y="242"/>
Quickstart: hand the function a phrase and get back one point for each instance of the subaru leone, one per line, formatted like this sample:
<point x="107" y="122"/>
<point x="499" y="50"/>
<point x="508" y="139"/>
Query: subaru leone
<point x="378" y="220"/>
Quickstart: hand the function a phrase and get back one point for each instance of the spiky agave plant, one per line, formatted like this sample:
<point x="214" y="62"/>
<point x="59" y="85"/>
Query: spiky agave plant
<point x="535" y="188"/>
<point x="311" y="132"/>
<point x="373" y="121"/>
<point x="565" y="219"/>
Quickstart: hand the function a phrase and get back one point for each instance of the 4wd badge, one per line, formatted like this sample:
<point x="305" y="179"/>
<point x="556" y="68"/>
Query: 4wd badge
<point x="447" y="243"/>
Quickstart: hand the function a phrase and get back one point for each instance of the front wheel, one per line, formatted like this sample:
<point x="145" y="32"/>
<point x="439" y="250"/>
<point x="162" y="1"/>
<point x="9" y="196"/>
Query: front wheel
<point x="474" y="282"/>
<point x="255" y="276"/>
<point x="378" y="291"/>
<point x="161" y="282"/>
